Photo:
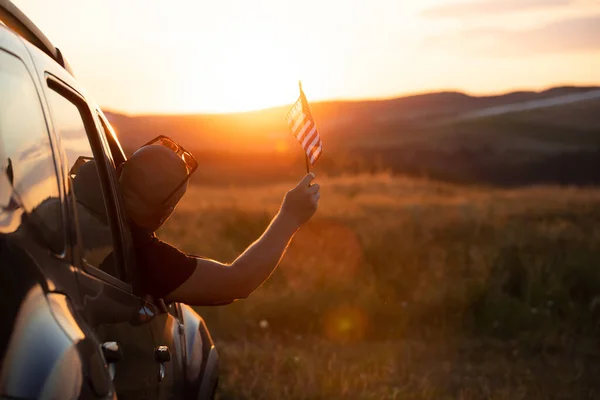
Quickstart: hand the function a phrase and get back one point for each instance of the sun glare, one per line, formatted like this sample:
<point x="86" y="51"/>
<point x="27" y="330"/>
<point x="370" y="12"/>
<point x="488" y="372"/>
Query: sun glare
<point x="257" y="65"/>
<point x="241" y="79"/>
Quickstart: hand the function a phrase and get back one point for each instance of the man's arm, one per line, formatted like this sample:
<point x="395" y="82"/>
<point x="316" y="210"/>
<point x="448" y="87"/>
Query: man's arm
<point x="213" y="282"/>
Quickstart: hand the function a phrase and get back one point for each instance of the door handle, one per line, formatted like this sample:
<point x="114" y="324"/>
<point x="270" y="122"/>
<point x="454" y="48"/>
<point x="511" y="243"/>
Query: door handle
<point x="112" y="354"/>
<point x="162" y="354"/>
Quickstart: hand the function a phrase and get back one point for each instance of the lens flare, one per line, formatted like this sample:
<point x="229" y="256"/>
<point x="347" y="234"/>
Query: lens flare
<point x="345" y="324"/>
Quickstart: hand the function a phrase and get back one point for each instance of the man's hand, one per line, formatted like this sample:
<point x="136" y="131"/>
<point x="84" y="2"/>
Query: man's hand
<point x="300" y="203"/>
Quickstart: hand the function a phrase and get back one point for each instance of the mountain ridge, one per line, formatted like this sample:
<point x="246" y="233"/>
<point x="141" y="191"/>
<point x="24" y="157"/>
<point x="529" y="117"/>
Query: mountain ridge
<point x="341" y="123"/>
<point x="509" y="139"/>
<point x="510" y="95"/>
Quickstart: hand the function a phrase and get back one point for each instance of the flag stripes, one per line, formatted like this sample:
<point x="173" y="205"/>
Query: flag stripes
<point x="304" y="129"/>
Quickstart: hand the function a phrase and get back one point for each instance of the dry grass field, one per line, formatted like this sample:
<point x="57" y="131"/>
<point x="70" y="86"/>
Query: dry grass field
<point x="408" y="289"/>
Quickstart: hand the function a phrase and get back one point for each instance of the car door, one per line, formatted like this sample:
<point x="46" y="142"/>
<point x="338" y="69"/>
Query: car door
<point x="117" y="316"/>
<point x="165" y="324"/>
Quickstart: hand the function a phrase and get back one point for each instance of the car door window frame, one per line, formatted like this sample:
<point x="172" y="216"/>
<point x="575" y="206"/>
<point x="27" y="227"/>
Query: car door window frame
<point x="111" y="137"/>
<point x="98" y="146"/>
<point x="110" y="144"/>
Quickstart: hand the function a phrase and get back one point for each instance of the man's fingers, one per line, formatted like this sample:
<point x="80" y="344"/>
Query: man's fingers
<point x="306" y="180"/>
<point x="314" y="188"/>
<point x="316" y="196"/>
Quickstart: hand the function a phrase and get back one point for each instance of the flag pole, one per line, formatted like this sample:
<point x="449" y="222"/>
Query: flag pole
<point x="307" y="162"/>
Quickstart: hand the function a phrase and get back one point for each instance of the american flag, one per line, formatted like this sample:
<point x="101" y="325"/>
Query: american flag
<point x="304" y="128"/>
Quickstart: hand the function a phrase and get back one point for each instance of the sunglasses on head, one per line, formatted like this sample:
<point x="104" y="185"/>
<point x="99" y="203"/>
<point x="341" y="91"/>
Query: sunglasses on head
<point x="187" y="158"/>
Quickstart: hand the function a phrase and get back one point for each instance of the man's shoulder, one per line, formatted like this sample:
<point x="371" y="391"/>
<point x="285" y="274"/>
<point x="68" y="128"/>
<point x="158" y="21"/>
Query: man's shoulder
<point x="151" y="248"/>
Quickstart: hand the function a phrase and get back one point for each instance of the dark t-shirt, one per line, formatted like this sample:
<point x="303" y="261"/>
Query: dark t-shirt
<point x="161" y="267"/>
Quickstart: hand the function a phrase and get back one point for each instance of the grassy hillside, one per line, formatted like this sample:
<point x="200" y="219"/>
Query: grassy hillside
<point x="408" y="288"/>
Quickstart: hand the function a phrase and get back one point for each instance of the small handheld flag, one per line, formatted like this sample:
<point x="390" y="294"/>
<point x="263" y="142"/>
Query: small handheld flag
<point x="304" y="129"/>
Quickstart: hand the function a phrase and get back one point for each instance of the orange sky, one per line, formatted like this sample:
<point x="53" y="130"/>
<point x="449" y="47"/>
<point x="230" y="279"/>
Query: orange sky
<point x="141" y="56"/>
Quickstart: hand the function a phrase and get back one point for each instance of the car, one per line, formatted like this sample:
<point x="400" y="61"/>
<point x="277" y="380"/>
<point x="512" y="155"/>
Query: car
<point x="73" y="321"/>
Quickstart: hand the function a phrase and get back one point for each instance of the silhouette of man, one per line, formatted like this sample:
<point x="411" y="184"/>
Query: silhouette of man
<point x="153" y="180"/>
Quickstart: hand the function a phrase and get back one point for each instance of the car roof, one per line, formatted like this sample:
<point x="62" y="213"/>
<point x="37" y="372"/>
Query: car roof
<point x="18" y="22"/>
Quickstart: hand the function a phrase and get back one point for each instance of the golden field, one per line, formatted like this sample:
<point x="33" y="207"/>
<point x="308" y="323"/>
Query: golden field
<point x="403" y="288"/>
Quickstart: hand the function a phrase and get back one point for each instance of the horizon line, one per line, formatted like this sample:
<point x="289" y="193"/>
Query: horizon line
<point x="356" y="100"/>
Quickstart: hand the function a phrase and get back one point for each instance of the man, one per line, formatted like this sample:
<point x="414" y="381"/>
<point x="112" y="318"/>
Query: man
<point x="153" y="180"/>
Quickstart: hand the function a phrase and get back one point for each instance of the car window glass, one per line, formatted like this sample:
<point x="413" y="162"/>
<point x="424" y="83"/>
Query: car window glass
<point x="92" y="217"/>
<point x="26" y="152"/>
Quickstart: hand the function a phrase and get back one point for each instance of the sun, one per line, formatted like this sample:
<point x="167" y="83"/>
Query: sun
<point x="250" y="75"/>
<point x="254" y="61"/>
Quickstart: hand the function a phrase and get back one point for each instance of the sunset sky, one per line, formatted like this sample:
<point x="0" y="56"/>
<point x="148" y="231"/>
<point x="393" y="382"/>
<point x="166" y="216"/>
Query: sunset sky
<point x="146" y="56"/>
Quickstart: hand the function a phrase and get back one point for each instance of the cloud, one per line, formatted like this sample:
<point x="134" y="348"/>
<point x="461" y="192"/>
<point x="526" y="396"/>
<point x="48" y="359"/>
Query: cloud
<point x="478" y="8"/>
<point x="578" y="34"/>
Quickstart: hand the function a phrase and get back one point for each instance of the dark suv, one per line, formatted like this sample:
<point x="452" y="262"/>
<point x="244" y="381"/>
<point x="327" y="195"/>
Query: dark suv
<point x="72" y="321"/>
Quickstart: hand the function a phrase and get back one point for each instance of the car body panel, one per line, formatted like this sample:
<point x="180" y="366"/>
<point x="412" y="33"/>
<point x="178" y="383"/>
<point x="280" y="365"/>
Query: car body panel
<point x="46" y="352"/>
<point x="25" y="350"/>
<point x="202" y="363"/>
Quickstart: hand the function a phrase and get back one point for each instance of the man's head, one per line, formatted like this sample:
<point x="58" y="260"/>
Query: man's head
<point x="153" y="181"/>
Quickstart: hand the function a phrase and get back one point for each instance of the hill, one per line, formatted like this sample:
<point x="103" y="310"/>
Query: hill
<point x="514" y="138"/>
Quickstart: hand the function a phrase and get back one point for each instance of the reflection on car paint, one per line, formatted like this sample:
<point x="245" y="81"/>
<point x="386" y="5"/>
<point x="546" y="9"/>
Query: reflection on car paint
<point x="62" y="313"/>
<point x="52" y="355"/>
<point x="26" y="153"/>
